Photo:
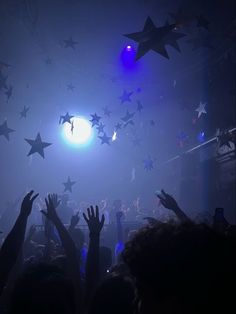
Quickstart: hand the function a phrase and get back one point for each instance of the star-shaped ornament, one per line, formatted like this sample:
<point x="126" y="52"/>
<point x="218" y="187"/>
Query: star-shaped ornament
<point x="140" y="106"/>
<point x="105" y="139"/>
<point x="70" y="87"/>
<point x="118" y="126"/>
<point x="95" y="119"/>
<point x="148" y="163"/>
<point x="128" y="116"/>
<point x="70" y="43"/>
<point x="37" y="146"/>
<point x="68" y="185"/>
<point x="23" y="113"/>
<point x="106" y="111"/>
<point x="5" y="130"/>
<point x="65" y="118"/>
<point x="154" y="38"/>
<point x="201" y="109"/>
<point x="100" y="128"/>
<point x="125" y="96"/>
<point x="224" y="138"/>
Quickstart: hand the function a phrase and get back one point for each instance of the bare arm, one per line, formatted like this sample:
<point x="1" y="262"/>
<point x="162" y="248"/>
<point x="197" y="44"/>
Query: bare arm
<point x="14" y="241"/>
<point x="92" y="265"/>
<point x="169" y="202"/>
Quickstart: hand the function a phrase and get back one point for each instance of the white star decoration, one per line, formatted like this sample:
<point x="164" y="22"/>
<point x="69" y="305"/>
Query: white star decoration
<point x="201" y="109"/>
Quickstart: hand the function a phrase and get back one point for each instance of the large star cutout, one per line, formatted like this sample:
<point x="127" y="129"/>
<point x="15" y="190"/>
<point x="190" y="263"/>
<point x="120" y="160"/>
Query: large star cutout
<point x="70" y="43"/>
<point x="105" y="139"/>
<point x="37" y="146"/>
<point x="201" y="109"/>
<point x="23" y="113"/>
<point x="95" y="119"/>
<point x="106" y="111"/>
<point x="128" y="116"/>
<point x="68" y="185"/>
<point x="154" y="38"/>
<point x="125" y="96"/>
<point x="172" y="37"/>
<point x="5" y="130"/>
<point x="148" y="163"/>
<point x="65" y="118"/>
<point x="100" y="128"/>
<point x="224" y="138"/>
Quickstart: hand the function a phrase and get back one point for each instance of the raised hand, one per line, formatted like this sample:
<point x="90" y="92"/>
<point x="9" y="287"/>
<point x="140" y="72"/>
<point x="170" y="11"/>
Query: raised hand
<point x="168" y="201"/>
<point x="51" y="203"/>
<point x="74" y="220"/>
<point x="27" y="203"/>
<point x="94" y="224"/>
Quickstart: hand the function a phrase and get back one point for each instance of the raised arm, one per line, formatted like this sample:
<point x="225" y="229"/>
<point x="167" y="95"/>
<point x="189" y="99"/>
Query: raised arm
<point x="67" y="243"/>
<point x="92" y="265"/>
<point x="14" y="241"/>
<point x="169" y="202"/>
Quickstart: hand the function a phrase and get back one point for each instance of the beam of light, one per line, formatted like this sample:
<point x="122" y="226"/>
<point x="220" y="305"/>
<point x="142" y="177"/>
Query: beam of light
<point x="78" y="133"/>
<point x="114" y="136"/>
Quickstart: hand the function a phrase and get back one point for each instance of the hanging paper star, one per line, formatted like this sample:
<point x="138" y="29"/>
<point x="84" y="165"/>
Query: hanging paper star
<point x="105" y="139"/>
<point x="140" y="106"/>
<point x="37" y="146"/>
<point x="152" y="38"/>
<point x="201" y="109"/>
<point x="106" y="111"/>
<point x="8" y="93"/>
<point x="95" y="119"/>
<point x="70" y="43"/>
<point x="125" y="96"/>
<point x="202" y="22"/>
<point x="100" y="128"/>
<point x="118" y="126"/>
<point x="23" y="113"/>
<point x="70" y="87"/>
<point x="148" y="163"/>
<point x="68" y="185"/>
<point x="224" y="138"/>
<point x="128" y="116"/>
<point x="5" y="130"/>
<point x="65" y="118"/>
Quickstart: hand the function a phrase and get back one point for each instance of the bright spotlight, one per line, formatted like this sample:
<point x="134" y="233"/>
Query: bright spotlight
<point x="78" y="132"/>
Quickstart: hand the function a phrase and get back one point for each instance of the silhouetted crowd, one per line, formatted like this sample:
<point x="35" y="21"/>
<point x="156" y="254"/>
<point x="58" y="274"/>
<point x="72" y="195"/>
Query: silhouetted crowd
<point x="172" y="267"/>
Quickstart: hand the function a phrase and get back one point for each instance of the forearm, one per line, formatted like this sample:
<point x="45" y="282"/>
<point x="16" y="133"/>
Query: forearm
<point x="181" y="215"/>
<point x="92" y="264"/>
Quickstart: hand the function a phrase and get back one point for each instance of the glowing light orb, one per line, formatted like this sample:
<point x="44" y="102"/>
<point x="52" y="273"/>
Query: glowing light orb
<point x="79" y="132"/>
<point x="128" y="48"/>
<point x="127" y="56"/>
<point x="114" y="136"/>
